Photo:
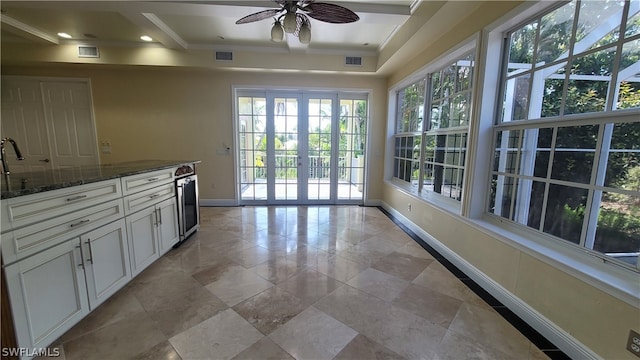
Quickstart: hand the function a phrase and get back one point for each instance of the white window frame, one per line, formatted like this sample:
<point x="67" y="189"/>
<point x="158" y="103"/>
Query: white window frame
<point x="441" y="201"/>
<point x="605" y="275"/>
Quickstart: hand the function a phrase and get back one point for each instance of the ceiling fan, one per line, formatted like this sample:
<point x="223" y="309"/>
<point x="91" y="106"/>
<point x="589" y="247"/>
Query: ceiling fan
<point x="291" y="21"/>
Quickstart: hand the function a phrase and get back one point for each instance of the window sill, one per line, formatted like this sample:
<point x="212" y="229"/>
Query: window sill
<point x="433" y="199"/>
<point x="611" y="278"/>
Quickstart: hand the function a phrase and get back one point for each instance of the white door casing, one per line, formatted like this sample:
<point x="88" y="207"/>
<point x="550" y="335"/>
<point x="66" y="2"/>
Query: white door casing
<point x="300" y="147"/>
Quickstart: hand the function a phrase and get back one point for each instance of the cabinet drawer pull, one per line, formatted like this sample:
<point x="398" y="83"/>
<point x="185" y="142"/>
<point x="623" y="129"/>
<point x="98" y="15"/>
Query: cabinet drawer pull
<point x="80" y="223"/>
<point x="153" y="196"/>
<point x="152" y="179"/>
<point x="76" y="198"/>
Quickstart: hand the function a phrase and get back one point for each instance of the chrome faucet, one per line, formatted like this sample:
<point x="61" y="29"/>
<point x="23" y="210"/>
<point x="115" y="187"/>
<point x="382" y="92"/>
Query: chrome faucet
<point x="5" y="166"/>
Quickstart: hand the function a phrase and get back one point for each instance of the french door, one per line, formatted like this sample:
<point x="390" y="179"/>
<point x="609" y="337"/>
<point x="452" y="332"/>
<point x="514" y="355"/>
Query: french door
<point x="293" y="148"/>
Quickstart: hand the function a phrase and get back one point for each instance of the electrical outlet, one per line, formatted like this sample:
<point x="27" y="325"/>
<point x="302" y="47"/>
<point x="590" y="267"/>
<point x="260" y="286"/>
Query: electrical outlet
<point x="633" y="344"/>
<point x="105" y="146"/>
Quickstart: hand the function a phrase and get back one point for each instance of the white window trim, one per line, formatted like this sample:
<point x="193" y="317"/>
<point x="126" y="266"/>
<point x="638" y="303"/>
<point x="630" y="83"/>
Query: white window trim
<point x="608" y="276"/>
<point x="440" y="201"/>
<point x="618" y="281"/>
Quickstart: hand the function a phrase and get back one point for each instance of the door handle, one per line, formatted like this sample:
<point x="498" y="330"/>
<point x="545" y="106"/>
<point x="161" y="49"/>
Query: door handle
<point x="44" y="160"/>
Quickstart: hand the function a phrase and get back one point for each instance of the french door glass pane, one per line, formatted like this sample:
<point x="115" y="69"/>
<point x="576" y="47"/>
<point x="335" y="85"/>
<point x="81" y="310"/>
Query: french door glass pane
<point x="351" y="159"/>
<point x="252" y="147"/>
<point x="319" y="150"/>
<point x="286" y="148"/>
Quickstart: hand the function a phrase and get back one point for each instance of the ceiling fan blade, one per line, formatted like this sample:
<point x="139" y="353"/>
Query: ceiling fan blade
<point x="330" y="13"/>
<point x="260" y="15"/>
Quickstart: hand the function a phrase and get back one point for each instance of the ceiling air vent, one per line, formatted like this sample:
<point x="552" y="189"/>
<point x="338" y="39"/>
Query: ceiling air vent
<point x="224" y="55"/>
<point x="353" y="61"/>
<point x="88" y="52"/>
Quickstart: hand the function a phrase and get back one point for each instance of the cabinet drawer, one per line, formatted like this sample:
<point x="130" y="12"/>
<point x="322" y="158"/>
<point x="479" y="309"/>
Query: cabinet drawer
<point x="136" y="183"/>
<point x="20" y="243"/>
<point x="143" y="199"/>
<point x="34" y="208"/>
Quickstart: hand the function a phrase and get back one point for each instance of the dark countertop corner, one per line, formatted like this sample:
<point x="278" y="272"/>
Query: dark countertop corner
<point x="19" y="184"/>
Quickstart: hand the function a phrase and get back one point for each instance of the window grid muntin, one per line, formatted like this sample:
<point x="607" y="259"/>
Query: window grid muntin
<point x="612" y="102"/>
<point x="252" y="170"/>
<point x="430" y="164"/>
<point x="569" y="59"/>
<point x="594" y="188"/>
<point x="406" y="163"/>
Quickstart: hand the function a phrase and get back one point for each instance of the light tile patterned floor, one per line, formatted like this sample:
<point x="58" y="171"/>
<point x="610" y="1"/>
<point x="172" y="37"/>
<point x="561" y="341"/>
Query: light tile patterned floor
<point x="296" y="283"/>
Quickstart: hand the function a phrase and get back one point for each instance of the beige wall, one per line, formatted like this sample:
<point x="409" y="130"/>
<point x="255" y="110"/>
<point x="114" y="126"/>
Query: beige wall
<point x="171" y="113"/>
<point x="595" y="318"/>
<point x="176" y="113"/>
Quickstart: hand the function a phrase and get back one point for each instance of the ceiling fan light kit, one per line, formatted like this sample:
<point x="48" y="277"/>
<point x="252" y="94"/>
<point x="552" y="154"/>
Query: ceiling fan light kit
<point x="277" y="33"/>
<point x="290" y="23"/>
<point x="297" y="23"/>
<point x="304" y="35"/>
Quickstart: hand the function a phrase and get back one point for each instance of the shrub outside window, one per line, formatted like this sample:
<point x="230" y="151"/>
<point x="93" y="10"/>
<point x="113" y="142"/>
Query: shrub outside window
<point x="567" y="159"/>
<point x="446" y="134"/>
<point x="430" y="155"/>
<point x="409" y="123"/>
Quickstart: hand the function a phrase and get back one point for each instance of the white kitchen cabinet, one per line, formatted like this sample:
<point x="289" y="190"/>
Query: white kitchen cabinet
<point x="26" y="241"/>
<point x="68" y="250"/>
<point x="33" y="208"/>
<point x="169" y="232"/>
<point x="106" y="261"/>
<point x="143" y="239"/>
<point x="48" y="294"/>
<point x="54" y="289"/>
<point x="152" y="232"/>
<point x="136" y="183"/>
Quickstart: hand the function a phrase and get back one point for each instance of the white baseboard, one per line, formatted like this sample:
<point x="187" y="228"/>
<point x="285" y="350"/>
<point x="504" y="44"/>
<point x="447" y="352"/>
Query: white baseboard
<point x="560" y="338"/>
<point x="218" y="202"/>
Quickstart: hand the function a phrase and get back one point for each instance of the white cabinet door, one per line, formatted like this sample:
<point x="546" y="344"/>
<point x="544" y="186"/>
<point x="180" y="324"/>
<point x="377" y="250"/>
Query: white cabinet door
<point x="106" y="258"/>
<point x="168" y="230"/>
<point x="143" y="241"/>
<point x="48" y="294"/>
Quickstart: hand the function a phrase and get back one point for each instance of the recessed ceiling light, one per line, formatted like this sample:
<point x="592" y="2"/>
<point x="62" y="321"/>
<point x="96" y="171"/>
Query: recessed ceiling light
<point x="146" y="38"/>
<point x="64" y="35"/>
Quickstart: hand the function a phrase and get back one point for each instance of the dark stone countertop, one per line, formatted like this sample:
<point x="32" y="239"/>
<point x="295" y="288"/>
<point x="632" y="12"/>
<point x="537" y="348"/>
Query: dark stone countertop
<point x="19" y="184"/>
